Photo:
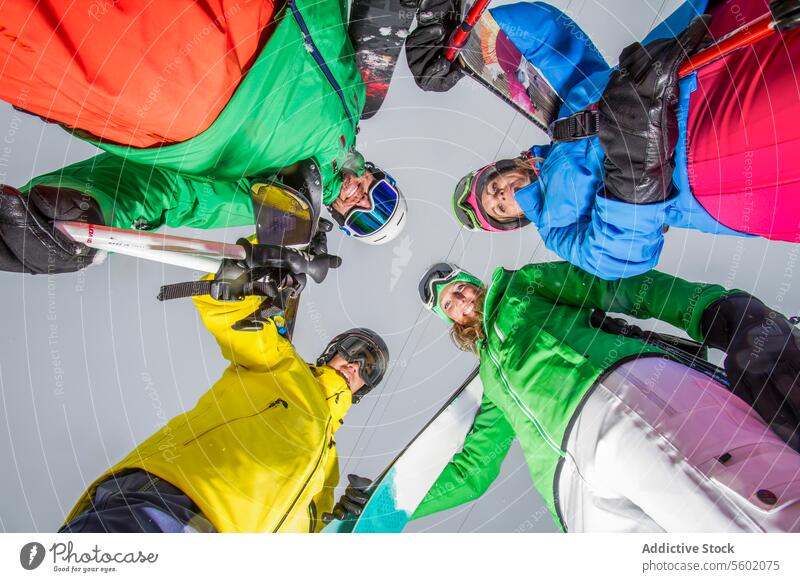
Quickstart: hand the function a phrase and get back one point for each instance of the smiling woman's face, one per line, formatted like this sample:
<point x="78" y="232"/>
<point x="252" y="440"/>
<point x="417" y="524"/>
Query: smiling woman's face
<point x="457" y="300"/>
<point x="498" y="198"/>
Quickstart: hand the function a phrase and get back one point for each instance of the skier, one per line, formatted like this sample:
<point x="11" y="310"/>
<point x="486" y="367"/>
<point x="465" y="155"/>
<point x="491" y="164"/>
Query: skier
<point x="619" y="435"/>
<point x="635" y="150"/>
<point x="192" y="102"/>
<point x="257" y="452"/>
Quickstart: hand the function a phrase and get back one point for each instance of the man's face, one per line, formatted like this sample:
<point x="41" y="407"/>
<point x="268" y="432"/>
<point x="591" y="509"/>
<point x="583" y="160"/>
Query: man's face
<point x="351" y="371"/>
<point x="457" y="300"/>
<point x="498" y="197"/>
<point x="354" y="193"/>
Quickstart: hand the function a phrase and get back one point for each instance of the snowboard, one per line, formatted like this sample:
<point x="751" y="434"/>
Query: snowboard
<point x="492" y="60"/>
<point x="397" y="493"/>
<point x="378" y="29"/>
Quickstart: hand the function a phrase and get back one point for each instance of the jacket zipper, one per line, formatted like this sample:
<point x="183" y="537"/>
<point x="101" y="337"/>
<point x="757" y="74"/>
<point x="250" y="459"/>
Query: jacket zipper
<point x="317" y="56"/>
<point x="525" y="410"/>
<point x="228" y="422"/>
<point x="322" y="449"/>
<point x="312" y="515"/>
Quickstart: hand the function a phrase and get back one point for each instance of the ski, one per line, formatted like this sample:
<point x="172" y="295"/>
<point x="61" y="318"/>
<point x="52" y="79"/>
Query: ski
<point x="284" y="219"/>
<point x="510" y="76"/>
<point x="396" y="494"/>
<point x="190" y="253"/>
<point x="378" y="29"/>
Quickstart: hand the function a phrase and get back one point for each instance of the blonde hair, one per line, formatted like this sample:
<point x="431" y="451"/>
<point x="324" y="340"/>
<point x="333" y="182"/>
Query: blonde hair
<point x="466" y="336"/>
<point x="525" y="163"/>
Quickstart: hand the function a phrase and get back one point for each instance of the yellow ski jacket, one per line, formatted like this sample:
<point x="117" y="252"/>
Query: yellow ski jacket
<point x="257" y="452"/>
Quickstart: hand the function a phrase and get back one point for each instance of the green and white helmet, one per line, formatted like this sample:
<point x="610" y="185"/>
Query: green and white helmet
<point x="437" y="278"/>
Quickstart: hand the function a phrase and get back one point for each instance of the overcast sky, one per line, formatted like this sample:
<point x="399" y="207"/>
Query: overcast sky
<point x="90" y="363"/>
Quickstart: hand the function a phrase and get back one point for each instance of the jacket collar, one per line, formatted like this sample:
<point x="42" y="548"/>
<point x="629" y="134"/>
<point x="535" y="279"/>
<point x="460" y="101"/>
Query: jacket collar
<point x="336" y="392"/>
<point x="497" y="289"/>
<point x="494" y="295"/>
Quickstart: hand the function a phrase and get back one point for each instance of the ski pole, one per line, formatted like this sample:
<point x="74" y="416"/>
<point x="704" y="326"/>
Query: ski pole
<point x="783" y="15"/>
<point x="460" y="35"/>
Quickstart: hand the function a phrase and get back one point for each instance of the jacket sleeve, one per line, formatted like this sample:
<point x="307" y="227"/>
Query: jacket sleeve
<point x="676" y="22"/>
<point x="475" y="468"/>
<point x="650" y="295"/>
<point x="617" y="240"/>
<point x="132" y="195"/>
<point x="552" y="42"/>
<point x="606" y="237"/>
<point x="262" y="350"/>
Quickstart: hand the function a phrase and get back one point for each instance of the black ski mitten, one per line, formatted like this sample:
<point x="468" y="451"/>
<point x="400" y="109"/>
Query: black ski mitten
<point x="638" y="122"/>
<point x="29" y="243"/>
<point x="352" y="502"/>
<point x="763" y="359"/>
<point x="319" y="244"/>
<point x="436" y="21"/>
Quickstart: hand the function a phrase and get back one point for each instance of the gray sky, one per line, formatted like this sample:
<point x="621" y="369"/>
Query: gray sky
<point x="91" y="363"/>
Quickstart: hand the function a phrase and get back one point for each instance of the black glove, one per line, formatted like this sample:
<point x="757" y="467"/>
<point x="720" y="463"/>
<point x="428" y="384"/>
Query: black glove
<point x="352" y="503"/>
<point x="638" y="122"/>
<point x="763" y="359"/>
<point x="319" y="244"/>
<point x="29" y="243"/>
<point x="436" y="21"/>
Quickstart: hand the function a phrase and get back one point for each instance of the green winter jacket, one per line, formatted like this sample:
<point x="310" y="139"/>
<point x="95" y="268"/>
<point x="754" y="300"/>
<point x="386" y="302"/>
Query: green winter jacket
<point x="301" y="99"/>
<point x="540" y="361"/>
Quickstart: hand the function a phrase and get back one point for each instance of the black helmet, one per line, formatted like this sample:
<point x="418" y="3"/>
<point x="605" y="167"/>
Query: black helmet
<point x="364" y="346"/>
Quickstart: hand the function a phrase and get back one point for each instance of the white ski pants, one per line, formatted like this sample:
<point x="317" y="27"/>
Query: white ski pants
<point x="661" y="447"/>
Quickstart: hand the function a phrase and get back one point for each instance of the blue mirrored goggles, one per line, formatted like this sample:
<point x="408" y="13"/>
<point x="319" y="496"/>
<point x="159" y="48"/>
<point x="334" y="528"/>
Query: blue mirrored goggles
<point x="384" y="198"/>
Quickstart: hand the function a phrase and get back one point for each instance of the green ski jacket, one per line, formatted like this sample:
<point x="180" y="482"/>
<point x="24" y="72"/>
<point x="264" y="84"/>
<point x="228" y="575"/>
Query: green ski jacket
<point x="541" y="359"/>
<point x="301" y="99"/>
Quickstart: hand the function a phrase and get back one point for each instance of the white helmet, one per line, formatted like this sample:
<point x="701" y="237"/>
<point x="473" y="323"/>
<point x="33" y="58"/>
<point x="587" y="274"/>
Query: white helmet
<point x="385" y="218"/>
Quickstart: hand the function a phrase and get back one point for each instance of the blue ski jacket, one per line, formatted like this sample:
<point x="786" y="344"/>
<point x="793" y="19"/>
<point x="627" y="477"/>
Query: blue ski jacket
<point x="608" y="238"/>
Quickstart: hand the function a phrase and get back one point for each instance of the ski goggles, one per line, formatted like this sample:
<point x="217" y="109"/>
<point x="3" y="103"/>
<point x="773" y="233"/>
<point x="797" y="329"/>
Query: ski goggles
<point x="437" y="278"/>
<point x="465" y="202"/>
<point x="372" y="363"/>
<point x="384" y="199"/>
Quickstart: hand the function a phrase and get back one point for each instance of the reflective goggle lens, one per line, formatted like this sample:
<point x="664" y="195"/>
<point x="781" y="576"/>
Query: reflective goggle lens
<point x="357" y="350"/>
<point x="465" y="213"/>
<point x="363" y="222"/>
